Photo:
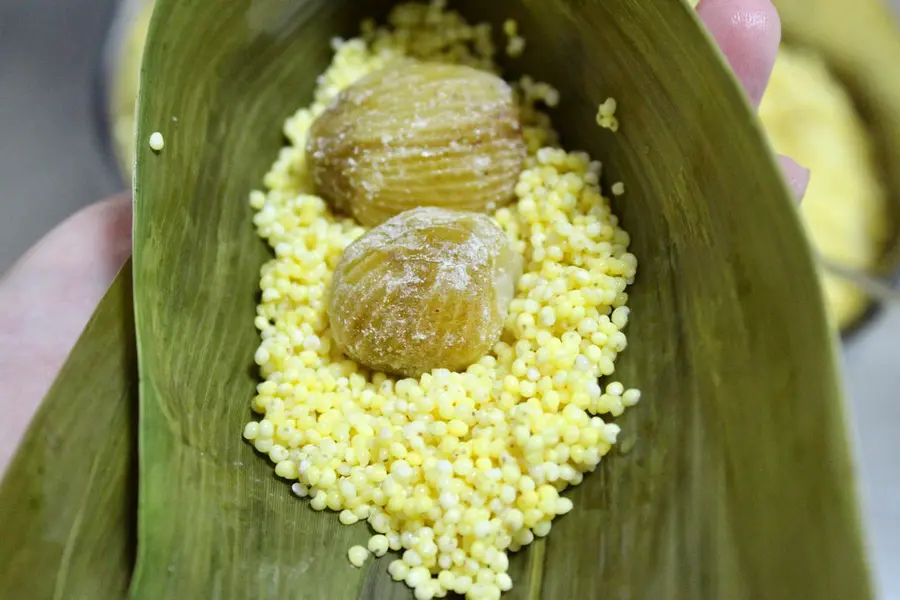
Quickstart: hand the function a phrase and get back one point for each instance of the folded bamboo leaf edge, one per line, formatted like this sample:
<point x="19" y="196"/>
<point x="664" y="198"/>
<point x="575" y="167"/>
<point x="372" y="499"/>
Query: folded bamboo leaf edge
<point x="68" y="499"/>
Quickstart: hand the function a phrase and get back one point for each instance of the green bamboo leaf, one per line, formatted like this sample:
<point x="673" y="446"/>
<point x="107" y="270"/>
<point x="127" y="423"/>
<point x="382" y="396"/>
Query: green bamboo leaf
<point x="739" y="483"/>
<point x="68" y="499"/>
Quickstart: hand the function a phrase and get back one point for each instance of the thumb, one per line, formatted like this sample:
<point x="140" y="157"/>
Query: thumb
<point x="46" y="299"/>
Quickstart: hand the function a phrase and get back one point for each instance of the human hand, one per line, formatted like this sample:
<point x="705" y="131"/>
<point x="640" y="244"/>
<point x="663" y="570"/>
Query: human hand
<point x="49" y="295"/>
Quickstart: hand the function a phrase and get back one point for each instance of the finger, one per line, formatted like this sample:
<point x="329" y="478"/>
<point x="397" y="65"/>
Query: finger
<point x="797" y="176"/>
<point x="45" y="302"/>
<point x="748" y="32"/>
<point x="94" y="241"/>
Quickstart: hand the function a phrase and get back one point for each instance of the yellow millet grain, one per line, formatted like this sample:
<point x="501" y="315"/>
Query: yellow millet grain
<point x="157" y="142"/>
<point x="515" y="44"/>
<point x="606" y="115"/>
<point x="452" y="470"/>
<point x="357" y="556"/>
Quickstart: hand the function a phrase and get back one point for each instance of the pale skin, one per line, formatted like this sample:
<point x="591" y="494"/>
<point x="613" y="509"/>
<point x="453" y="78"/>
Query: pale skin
<point x="79" y="258"/>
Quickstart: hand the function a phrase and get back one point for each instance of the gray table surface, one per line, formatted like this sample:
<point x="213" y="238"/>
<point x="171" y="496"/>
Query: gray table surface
<point x="50" y="166"/>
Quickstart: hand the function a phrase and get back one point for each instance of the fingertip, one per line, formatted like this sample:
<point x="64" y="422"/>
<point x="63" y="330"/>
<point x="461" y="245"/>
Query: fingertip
<point x="797" y="176"/>
<point x="749" y="33"/>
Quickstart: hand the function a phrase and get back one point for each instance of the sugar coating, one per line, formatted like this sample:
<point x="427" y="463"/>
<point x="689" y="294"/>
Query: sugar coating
<point x="454" y="470"/>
